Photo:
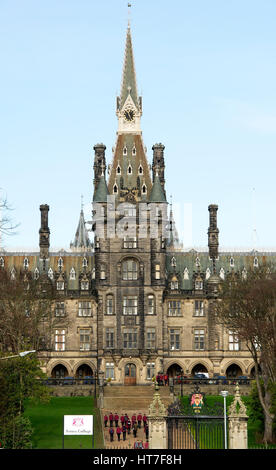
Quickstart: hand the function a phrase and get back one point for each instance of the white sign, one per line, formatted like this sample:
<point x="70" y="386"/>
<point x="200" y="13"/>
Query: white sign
<point x="76" y="425"/>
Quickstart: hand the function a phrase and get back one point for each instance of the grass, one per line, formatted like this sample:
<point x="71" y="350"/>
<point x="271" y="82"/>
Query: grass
<point x="47" y="423"/>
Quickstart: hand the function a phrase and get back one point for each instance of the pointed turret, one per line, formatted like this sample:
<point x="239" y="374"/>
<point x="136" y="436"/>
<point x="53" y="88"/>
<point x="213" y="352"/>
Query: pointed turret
<point x="101" y="192"/>
<point x="157" y="193"/>
<point x="81" y="241"/>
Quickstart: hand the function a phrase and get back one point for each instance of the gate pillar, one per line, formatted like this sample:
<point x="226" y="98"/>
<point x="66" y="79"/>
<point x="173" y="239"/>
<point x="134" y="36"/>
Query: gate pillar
<point x="237" y="419"/>
<point x="157" y="422"/>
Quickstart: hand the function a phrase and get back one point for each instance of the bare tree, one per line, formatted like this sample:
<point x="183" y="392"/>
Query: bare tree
<point x="247" y="305"/>
<point x="7" y="226"/>
<point x="27" y="312"/>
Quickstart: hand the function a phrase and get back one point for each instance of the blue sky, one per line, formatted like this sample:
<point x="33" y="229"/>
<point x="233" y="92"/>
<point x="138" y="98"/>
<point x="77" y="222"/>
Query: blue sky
<point x="206" y="71"/>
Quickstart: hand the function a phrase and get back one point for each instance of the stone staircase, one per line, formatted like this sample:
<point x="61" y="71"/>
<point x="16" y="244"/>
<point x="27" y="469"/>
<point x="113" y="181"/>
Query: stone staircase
<point x="133" y="398"/>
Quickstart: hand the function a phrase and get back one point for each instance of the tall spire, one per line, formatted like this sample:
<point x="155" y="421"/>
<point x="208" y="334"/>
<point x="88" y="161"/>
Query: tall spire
<point x="129" y="84"/>
<point x="81" y="241"/>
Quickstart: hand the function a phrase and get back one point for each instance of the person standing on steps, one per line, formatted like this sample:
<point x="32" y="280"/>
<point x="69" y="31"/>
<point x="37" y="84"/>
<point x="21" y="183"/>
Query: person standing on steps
<point x="124" y="430"/>
<point x="139" y="419"/>
<point x="105" y="420"/>
<point x="135" y="427"/>
<point x="111" y="434"/>
<point x="116" y="418"/>
<point x="111" y="419"/>
<point x="145" y="420"/>
<point x="118" y="431"/>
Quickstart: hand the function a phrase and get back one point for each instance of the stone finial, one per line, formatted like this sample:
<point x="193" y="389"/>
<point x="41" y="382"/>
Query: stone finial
<point x="237" y="408"/>
<point x="157" y="408"/>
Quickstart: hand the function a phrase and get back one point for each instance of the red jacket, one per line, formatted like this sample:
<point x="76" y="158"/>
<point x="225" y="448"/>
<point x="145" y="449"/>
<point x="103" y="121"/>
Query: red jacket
<point x="139" y="418"/>
<point x="116" y="417"/>
<point x="111" y="417"/>
<point x="118" y="430"/>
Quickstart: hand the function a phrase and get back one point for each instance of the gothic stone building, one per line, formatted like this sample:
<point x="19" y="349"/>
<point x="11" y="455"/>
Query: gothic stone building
<point x="137" y="303"/>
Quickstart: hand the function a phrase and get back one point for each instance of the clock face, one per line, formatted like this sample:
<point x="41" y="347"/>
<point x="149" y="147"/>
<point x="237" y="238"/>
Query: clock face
<point x="129" y="115"/>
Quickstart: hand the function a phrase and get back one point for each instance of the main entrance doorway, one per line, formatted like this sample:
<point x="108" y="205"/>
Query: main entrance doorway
<point x="130" y="374"/>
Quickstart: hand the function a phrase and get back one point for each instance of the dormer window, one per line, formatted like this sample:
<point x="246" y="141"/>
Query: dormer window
<point x="197" y="262"/>
<point x="208" y="273"/>
<point x="36" y="273"/>
<point x="174" y="283"/>
<point x="222" y="273"/>
<point x="198" y="284"/>
<point x="124" y="151"/>
<point x="60" y="285"/>
<point x="50" y="273"/>
<point x="173" y="261"/>
<point x="60" y="263"/>
<point x="186" y="274"/>
<point x="13" y="272"/>
<point x="72" y="274"/>
<point x="26" y="263"/>
<point x="84" y="263"/>
<point x="84" y="284"/>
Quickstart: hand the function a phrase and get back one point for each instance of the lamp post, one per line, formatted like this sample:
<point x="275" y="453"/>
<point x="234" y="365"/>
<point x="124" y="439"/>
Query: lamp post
<point x="22" y="354"/>
<point x="224" y="394"/>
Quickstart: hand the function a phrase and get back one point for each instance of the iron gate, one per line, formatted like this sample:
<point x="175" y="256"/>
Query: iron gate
<point x="195" y="432"/>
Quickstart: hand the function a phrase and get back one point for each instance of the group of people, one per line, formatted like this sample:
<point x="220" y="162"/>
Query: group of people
<point x="124" y="425"/>
<point x="162" y="379"/>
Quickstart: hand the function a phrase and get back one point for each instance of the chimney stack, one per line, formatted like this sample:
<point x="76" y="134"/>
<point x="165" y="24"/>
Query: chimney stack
<point x="44" y="232"/>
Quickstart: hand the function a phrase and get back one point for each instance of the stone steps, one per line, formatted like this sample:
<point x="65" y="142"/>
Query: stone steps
<point x="136" y="398"/>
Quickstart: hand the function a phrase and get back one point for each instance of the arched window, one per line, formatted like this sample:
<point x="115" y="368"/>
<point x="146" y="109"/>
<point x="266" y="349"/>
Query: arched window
<point x="130" y="270"/>
<point x="50" y="273"/>
<point x="26" y="263"/>
<point x="84" y="262"/>
<point x="60" y="262"/>
<point x="109" y="304"/>
<point x="36" y="273"/>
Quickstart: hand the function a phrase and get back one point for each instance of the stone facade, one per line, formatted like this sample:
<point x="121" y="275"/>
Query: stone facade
<point x="134" y="305"/>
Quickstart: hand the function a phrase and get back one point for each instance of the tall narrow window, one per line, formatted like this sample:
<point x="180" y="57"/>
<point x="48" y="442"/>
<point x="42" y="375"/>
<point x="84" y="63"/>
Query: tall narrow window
<point x="130" y="270"/>
<point x="109" y="338"/>
<point x="2" y="262"/>
<point x="157" y="271"/>
<point x="199" y="308"/>
<point x="109" y="370"/>
<point x="36" y="273"/>
<point x="60" y="309"/>
<point x="109" y="304"/>
<point x="50" y="273"/>
<point x="84" y="262"/>
<point x="151" y="307"/>
<point x="234" y="343"/>
<point x="84" y="339"/>
<point x="199" y="340"/>
<point x="150" y="338"/>
<point x="174" y="340"/>
<point x="102" y="272"/>
<point x="150" y="370"/>
<point x="26" y="263"/>
<point x="59" y="340"/>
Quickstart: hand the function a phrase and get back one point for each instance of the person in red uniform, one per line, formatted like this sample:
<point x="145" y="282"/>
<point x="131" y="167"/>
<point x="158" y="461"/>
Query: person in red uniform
<point x="139" y="419"/>
<point x="133" y="419"/>
<point x="118" y="431"/>
<point x="124" y="430"/>
<point x="116" y="418"/>
<point x="145" y="420"/>
<point x="166" y="378"/>
<point x="128" y="426"/>
<point x="122" y="419"/>
<point x="105" y="420"/>
<point x="111" y="418"/>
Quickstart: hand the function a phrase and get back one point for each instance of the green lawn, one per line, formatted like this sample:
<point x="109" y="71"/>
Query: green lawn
<point x="47" y="422"/>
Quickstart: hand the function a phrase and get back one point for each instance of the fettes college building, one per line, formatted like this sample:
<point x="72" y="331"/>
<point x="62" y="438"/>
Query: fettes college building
<point x="136" y="303"/>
